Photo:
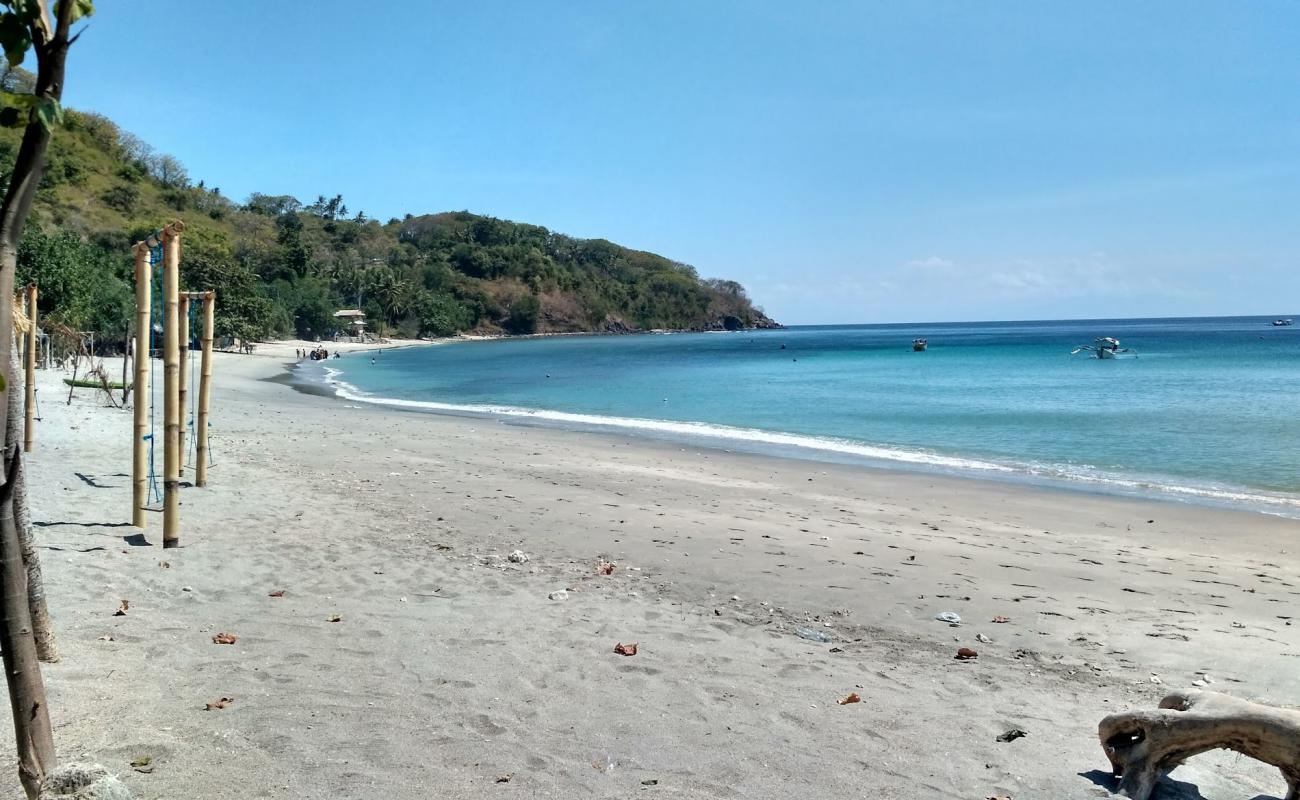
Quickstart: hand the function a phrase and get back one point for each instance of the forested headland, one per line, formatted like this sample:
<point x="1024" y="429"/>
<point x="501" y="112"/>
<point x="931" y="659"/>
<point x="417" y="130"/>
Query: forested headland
<point x="282" y="267"/>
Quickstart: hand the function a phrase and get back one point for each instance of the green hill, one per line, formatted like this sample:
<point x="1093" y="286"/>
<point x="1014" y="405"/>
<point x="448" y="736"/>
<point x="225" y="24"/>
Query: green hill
<point x="282" y="267"/>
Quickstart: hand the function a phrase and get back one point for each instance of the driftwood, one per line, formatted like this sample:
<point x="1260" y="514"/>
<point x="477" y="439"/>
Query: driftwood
<point x="1144" y="745"/>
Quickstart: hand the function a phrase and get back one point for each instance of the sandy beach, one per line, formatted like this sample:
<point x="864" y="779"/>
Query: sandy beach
<point x="449" y="671"/>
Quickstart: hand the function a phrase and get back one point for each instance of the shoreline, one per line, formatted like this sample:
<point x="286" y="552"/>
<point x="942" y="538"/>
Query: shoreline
<point x="450" y="665"/>
<point x="943" y="484"/>
<point x="821" y="449"/>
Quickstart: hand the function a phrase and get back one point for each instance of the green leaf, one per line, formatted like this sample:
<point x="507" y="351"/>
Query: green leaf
<point x="16" y="109"/>
<point x="2" y="382"/>
<point x="45" y="110"/>
<point x="18" y="100"/>
<point x="49" y="112"/>
<point x="82" y="8"/>
<point x="15" y="37"/>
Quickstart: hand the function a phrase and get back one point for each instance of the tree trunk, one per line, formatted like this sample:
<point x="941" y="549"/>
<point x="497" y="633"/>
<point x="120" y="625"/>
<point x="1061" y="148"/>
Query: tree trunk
<point x="47" y="649"/>
<point x="32" y="734"/>
<point x="35" y="740"/>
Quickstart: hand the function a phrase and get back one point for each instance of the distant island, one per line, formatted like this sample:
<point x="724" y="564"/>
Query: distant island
<point x="284" y="268"/>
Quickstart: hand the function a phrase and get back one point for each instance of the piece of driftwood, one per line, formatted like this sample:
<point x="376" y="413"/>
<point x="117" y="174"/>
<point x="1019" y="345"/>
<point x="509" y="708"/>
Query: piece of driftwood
<point x="1144" y="745"/>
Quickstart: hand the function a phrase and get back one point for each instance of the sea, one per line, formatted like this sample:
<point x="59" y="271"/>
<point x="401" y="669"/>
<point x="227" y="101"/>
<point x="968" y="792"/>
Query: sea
<point x="1201" y="410"/>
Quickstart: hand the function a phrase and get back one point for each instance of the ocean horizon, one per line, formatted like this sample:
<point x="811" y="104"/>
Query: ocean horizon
<point x="1203" y="409"/>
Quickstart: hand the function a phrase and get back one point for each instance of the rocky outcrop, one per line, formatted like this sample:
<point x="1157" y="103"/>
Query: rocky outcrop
<point x="616" y="325"/>
<point x="731" y="322"/>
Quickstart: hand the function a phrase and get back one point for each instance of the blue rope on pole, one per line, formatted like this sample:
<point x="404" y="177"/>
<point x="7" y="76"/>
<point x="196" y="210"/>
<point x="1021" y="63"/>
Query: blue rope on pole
<point x="190" y="450"/>
<point x="155" y="307"/>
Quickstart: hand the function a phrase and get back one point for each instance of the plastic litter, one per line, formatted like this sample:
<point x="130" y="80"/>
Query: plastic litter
<point x="950" y="617"/>
<point x="812" y="635"/>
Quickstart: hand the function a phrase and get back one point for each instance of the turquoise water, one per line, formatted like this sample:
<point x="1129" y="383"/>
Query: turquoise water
<point x="1207" y="410"/>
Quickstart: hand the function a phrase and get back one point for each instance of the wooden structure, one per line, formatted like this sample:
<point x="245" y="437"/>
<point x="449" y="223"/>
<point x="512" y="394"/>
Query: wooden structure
<point x="182" y="397"/>
<point x="175" y="349"/>
<point x="171" y="242"/>
<point x="354" y="318"/>
<point x="208" y="300"/>
<point x="143" y="391"/>
<point x="205" y="392"/>
<point x="33" y="345"/>
<point x="1144" y="745"/>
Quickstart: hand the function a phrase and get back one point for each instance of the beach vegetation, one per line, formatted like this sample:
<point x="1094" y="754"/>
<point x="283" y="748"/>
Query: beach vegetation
<point x="282" y="266"/>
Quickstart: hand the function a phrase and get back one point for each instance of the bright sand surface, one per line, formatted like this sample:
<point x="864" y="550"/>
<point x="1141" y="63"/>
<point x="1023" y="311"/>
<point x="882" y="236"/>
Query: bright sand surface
<point x="450" y="670"/>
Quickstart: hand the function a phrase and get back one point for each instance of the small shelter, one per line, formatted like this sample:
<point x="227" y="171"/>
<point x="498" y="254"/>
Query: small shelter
<point x="354" y="319"/>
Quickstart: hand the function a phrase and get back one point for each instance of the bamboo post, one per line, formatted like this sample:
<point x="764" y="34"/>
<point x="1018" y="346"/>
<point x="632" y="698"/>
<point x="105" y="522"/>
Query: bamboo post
<point x="183" y="393"/>
<point x="205" y="393"/>
<point x="143" y="391"/>
<point x="171" y="384"/>
<point x="29" y="432"/>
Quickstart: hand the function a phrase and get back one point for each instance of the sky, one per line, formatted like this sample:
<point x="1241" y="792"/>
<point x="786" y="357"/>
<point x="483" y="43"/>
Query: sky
<point x="847" y="161"/>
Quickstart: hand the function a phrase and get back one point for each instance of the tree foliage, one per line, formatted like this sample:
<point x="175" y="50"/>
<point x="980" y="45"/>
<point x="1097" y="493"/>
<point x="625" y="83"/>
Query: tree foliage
<point x="283" y="267"/>
<point x="85" y="286"/>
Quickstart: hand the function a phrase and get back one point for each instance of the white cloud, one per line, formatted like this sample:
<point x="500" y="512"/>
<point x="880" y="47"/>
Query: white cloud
<point x="1021" y="280"/>
<point x="931" y="262"/>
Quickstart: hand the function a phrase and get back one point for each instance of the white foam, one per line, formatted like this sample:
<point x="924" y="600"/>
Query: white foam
<point x="1288" y="506"/>
<point x="1270" y="503"/>
<point x="692" y="429"/>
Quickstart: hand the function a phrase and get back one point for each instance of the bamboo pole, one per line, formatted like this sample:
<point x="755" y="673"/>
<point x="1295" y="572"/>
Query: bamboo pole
<point x="143" y="391"/>
<point x="29" y="431"/>
<point x="171" y="384"/>
<point x="183" y="393"/>
<point x="205" y="393"/>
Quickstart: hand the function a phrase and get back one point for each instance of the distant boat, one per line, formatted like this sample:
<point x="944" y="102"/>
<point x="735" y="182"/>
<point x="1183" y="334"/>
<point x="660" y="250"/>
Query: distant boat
<point x="919" y="345"/>
<point x="1281" y="323"/>
<point x="1102" y="347"/>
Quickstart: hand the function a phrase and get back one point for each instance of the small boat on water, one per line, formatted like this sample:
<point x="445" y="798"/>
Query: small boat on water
<point x="1102" y="347"/>
<point x="1282" y="323"/>
<point x="919" y="345"/>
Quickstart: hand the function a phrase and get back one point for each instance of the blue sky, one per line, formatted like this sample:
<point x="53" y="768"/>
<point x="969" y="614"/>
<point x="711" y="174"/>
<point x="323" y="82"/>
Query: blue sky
<point x="848" y="162"/>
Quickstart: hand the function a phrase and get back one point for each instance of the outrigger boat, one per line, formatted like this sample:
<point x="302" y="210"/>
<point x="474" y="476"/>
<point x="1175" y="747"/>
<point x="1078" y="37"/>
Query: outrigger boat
<point x="1102" y="347"/>
<point x="919" y="345"/>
